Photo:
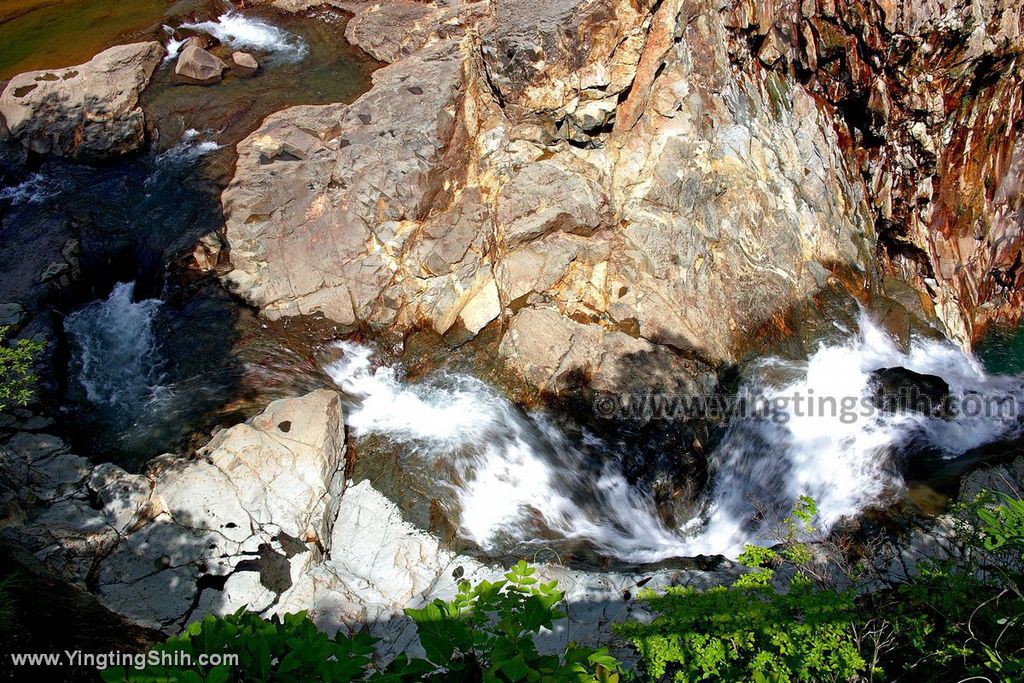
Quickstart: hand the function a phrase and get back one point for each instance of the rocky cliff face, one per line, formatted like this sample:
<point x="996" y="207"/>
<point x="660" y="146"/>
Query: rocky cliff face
<point x="931" y="101"/>
<point x="595" y="180"/>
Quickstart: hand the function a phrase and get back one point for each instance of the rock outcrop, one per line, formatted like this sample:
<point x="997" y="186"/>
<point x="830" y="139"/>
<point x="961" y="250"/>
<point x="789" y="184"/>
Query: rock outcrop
<point x="245" y="519"/>
<point x="263" y="518"/>
<point x="931" y="97"/>
<point x="86" y="112"/>
<point x="633" y="185"/>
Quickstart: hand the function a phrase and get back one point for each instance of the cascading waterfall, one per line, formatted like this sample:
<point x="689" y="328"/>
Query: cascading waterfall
<point x="115" y="349"/>
<point x="240" y="32"/>
<point x="174" y="44"/>
<point x="517" y="479"/>
<point x="504" y="463"/>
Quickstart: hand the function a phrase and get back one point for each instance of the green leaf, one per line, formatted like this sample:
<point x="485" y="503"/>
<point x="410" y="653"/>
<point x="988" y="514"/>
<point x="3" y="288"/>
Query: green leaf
<point x="515" y="669"/>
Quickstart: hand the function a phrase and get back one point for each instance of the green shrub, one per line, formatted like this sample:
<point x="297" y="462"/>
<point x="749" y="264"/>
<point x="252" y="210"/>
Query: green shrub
<point x="962" y="619"/>
<point x="484" y="634"/>
<point x="749" y="631"/>
<point x="288" y="649"/>
<point x="779" y="622"/>
<point x="17" y="378"/>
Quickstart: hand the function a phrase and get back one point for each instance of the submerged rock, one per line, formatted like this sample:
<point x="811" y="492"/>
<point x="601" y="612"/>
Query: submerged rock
<point x="197" y="66"/>
<point x="85" y="112"/>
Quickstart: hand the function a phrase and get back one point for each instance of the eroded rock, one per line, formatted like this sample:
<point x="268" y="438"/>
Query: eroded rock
<point x="86" y="112"/>
<point x="714" y="203"/>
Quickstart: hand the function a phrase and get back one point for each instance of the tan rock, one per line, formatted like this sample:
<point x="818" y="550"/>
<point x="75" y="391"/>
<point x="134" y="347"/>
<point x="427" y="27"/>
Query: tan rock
<point x="244" y="64"/>
<point x="197" y="66"/>
<point x="87" y="112"/>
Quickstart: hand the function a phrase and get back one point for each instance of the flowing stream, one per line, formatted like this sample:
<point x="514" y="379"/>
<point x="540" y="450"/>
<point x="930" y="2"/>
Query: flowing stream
<point x="151" y="356"/>
<point x="115" y="354"/>
<point x="153" y="353"/>
<point x="517" y="480"/>
<point x="240" y="32"/>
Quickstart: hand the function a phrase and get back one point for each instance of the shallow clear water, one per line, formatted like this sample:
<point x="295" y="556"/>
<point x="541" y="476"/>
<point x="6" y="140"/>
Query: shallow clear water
<point x="69" y="32"/>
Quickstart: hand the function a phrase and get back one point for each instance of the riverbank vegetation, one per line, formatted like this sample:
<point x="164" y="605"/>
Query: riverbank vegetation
<point x="17" y="374"/>
<point x="796" y="615"/>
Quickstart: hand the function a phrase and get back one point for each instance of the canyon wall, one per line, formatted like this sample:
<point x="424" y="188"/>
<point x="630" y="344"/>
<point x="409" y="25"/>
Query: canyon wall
<point x="603" y="179"/>
<point x="930" y="93"/>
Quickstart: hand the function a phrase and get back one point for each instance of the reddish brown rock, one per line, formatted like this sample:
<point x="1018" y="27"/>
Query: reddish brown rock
<point x="244" y="64"/>
<point x="198" y="67"/>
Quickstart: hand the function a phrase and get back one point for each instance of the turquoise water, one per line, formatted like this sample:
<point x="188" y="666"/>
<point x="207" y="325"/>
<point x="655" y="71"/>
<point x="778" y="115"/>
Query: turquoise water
<point x="1002" y="350"/>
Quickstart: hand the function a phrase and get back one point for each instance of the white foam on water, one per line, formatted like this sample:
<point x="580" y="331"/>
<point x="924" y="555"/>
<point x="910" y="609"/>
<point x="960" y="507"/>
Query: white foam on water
<point x="191" y="147"/>
<point x="517" y="478"/>
<point x="36" y="189"/>
<point x="509" y="465"/>
<point x="116" y="355"/>
<point x="173" y="45"/>
<point x="240" y="32"/>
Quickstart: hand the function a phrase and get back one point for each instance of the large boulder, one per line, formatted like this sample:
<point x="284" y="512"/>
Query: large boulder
<point x="322" y="195"/>
<point x="243" y="520"/>
<point x="899" y="390"/>
<point x="197" y="66"/>
<point x="85" y="112"/>
<point x="264" y="519"/>
<point x="554" y="55"/>
<point x="391" y="30"/>
<point x="458" y="195"/>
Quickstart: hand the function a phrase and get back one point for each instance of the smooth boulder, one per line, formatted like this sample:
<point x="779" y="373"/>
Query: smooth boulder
<point x="86" y="112"/>
<point x="244" y="64"/>
<point x="198" y="67"/>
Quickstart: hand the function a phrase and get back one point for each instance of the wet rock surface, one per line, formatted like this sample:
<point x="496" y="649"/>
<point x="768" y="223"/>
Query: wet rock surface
<point x="197" y="66"/>
<point x="932" y="109"/>
<point x="899" y="390"/>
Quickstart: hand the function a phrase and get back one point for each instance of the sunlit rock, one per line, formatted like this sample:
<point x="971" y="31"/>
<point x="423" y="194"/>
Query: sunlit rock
<point x="86" y="112"/>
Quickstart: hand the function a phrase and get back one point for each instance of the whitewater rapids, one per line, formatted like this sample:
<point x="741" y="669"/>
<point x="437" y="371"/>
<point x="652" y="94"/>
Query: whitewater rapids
<point x="518" y="480"/>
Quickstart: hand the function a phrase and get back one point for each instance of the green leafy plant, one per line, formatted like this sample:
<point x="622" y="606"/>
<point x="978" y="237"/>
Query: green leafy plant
<point x="962" y="618"/>
<point x="487" y="633"/>
<point x="484" y="634"/>
<point x="750" y="631"/>
<point x="1002" y="525"/>
<point x="276" y="649"/>
<point x="17" y="377"/>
